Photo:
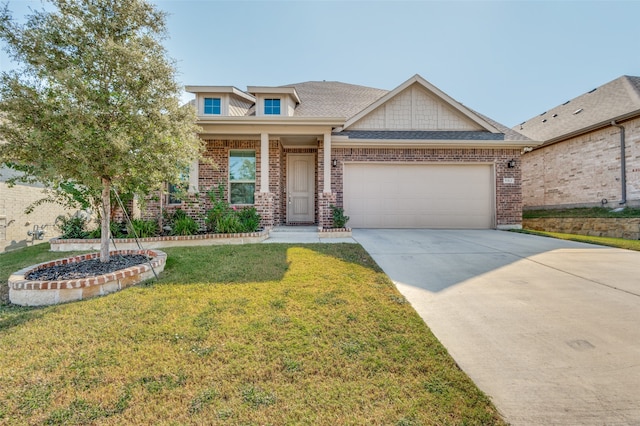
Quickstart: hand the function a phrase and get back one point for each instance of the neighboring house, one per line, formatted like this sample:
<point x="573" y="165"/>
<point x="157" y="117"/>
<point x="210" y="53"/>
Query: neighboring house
<point x="15" y="224"/>
<point x="411" y="157"/>
<point x="580" y="162"/>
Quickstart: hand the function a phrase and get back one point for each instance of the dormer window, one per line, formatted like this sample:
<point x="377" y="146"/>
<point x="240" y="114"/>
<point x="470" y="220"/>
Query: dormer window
<point x="272" y="106"/>
<point x="212" y="106"/>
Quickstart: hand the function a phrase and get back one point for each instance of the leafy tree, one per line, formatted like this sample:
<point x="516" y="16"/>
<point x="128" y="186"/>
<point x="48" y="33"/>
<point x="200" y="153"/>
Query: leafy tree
<point x="93" y="102"/>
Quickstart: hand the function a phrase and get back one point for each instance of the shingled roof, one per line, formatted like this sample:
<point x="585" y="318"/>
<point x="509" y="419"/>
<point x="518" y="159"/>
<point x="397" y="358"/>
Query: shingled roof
<point x="333" y="99"/>
<point x="619" y="99"/>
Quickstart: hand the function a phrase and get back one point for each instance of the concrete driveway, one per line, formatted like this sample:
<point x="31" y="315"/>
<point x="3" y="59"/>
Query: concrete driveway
<point x="549" y="329"/>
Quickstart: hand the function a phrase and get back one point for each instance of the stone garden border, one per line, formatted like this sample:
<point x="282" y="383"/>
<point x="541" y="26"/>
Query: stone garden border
<point x="61" y="245"/>
<point x="58" y="244"/>
<point x="40" y="293"/>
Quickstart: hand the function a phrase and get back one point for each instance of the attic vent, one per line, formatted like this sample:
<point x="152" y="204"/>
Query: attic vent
<point x="578" y="111"/>
<point x="544" y="121"/>
<point x="554" y="115"/>
<point x="543" y="113"/>
<point x="592" y="90"/>
<point x="566" y="103"/>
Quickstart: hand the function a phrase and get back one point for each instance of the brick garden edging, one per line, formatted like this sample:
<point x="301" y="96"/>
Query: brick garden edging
<point x="334" y="232"/>
<point x="58" y="244"/>
<point x="628" y="228"/>
<point x="39" y="293"/>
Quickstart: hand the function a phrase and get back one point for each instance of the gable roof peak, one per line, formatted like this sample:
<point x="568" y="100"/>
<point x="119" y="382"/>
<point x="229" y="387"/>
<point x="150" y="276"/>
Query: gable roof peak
<point x="418" y="79"/>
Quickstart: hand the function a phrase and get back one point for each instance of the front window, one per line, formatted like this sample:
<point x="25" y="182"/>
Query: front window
<point x="242" y="177"/>
<point x="212" y="106"/>
<point x="178" y="190"/>
<point x="272" y="106"/>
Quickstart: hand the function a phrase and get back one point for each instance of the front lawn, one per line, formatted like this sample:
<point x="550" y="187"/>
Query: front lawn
<point x="271" y="334"/>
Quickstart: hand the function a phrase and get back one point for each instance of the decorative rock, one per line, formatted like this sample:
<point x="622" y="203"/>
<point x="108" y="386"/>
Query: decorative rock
<point x="28" y="292"/>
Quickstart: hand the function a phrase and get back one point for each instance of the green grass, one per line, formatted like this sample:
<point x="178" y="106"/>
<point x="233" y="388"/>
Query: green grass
<point x="581" y="212"/>
<point x="604" y="241"/>
<point x="268" y="334"/>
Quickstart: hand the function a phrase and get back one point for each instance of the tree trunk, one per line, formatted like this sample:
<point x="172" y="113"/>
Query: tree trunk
<point x="106" y="218"/>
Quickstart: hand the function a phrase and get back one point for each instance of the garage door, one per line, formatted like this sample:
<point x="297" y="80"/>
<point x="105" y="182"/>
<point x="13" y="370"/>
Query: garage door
<point x="419" y="196"/>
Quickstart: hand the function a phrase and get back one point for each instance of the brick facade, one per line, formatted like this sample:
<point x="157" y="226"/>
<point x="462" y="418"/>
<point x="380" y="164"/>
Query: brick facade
<point x="508" y="195"/>
<point x="584" y="170"/>
<point x="272" y="205"/>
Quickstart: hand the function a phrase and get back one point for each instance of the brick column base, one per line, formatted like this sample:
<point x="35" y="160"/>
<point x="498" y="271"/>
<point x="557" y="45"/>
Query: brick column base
<point x="325" y="216"/>
<point x="265" y="204"/>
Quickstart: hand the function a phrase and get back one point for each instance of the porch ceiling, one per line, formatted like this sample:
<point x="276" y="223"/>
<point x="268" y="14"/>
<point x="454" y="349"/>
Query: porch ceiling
<point x="303" y="140"/>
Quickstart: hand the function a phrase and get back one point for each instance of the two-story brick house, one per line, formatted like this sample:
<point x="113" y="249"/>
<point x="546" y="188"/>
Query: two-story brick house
<point x="412" y="157"/>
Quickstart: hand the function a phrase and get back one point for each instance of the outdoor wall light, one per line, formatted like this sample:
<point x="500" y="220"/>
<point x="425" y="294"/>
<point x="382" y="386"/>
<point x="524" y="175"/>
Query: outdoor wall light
<point x="334" y="163"/>
<point x="511" y="164"/>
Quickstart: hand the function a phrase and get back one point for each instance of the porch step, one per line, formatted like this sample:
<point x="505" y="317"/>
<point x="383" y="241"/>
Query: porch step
<point x="295" y="228"/>
<point x="301" y="234"/>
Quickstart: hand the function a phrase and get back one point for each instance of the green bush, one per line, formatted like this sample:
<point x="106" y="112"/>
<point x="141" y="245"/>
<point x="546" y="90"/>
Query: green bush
<point x="339" y="218"/>
<point x="249" y="219"/>
<point x="180" y="223"/>
<point x="228" y="223"/>
<point x="117" y="230"/>
<point x="142" y="228"/>
<point x="185" y="225"/>
<point x="224" y="219"/>
<point x="72" y="227"/>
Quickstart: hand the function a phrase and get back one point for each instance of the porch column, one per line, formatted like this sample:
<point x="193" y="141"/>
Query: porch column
<point x="327" y="163"/>
<point x="264" y="162"/>
<point x="265" y="202"/>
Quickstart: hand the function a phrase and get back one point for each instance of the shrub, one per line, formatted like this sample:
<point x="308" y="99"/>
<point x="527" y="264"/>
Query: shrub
<point x="219" y="208"/>
<point x="249" y="219"/>
<point x="142" y="228"/>
<point x="180" y="223"/>
<point x="228" y="223"/>
<point x="223" y="218"/>
<point x="339" y="218"/>
<point x="72" y="227"/>
<point x="185" y="225"/>
<point x="116" y="229"/>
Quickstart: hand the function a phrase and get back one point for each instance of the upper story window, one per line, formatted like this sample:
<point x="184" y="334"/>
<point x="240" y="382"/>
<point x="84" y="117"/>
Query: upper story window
<point x="212" y="106"/>
<point x="272" y="106"/>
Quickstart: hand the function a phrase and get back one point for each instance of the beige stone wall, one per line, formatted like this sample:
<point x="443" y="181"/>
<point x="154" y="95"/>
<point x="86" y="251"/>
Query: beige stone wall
<point x="14" y="222"/>
<point x="628" y="228"/>
<point x="583" y="170"/>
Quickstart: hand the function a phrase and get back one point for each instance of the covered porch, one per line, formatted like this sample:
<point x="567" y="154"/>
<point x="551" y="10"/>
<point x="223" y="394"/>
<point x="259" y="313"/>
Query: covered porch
<point x="293" y="167"/>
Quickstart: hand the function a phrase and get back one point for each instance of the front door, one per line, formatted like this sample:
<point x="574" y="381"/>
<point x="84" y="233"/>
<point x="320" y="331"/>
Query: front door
<point x="300" y="188"/>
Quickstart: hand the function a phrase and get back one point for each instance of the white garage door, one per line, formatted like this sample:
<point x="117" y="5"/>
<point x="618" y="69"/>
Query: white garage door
<point x="419" y="196"/>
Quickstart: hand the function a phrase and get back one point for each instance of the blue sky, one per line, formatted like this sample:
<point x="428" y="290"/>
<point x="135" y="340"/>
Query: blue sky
<point x="509" y="60"/>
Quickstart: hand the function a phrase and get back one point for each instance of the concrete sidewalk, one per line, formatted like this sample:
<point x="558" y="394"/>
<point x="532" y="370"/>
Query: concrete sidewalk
<point x="301" y="235"/>
<point x="549" y="329"/>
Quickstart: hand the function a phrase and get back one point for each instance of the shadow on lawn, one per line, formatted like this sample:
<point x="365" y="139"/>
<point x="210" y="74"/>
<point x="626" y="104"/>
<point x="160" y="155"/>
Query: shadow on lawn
<point x="213" y="264"/>
<point x="247" y="263"/>
<point x="13" y="316"/>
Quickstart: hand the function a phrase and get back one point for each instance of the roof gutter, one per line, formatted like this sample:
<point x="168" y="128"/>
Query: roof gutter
<point x="623" y="163"/>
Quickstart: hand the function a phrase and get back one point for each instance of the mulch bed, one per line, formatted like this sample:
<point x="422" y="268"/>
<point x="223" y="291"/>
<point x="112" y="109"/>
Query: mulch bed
<point x="87" y="268"/>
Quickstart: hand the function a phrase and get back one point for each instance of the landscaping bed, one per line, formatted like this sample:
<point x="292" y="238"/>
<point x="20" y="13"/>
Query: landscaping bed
<point x="39" y="285"/>
<point x="596" y="221"/>
<point x="79" y="244"/>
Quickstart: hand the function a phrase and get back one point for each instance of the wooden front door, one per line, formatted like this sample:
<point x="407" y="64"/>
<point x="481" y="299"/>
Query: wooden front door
<point x="300" y="188"/>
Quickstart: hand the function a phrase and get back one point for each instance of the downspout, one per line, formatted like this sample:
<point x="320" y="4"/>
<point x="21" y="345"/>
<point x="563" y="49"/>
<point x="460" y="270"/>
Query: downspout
<point x="623" y="163"/>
